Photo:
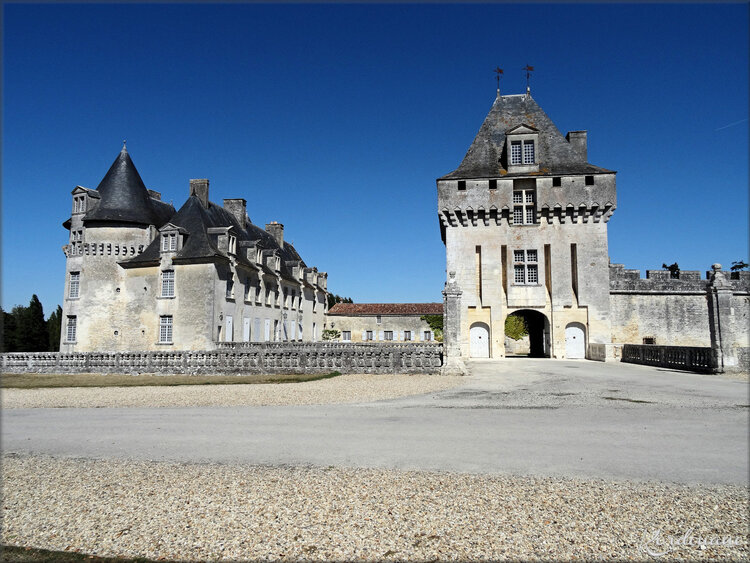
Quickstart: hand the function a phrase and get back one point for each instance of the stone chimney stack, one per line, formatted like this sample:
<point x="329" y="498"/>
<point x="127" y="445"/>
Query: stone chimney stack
<point x="238" y="208"/>
<point x="577" y="140"/>
<point x="199" y="188"/>
<point x="276" y="230"/>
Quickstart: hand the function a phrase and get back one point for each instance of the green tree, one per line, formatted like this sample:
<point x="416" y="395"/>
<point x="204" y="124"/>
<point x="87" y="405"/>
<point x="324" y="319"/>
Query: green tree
<point x="436" y="325"/>
<point x="674" y="270"/>
<point x="53" y="329"/>
<point x="9" y="328"/>
<point x="31" y="332"/>
<point x="333" y="299"/>
<point x="738" y="266"/>
<point x="515" y="327"/>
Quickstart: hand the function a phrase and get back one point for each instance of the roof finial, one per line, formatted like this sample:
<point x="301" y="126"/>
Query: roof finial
<point x="498" y="71"/>
<point x="124" y="142"/>
<point x="528" y="70"/>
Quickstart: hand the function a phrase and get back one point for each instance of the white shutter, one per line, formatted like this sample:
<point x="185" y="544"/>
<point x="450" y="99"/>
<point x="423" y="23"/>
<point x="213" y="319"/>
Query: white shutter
<point x="400" y="335"/>
<point x="364" y="335"/>
<point x="381" y="336"/>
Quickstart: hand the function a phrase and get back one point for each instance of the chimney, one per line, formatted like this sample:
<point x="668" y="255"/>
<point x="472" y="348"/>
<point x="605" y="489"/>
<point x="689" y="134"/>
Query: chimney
<point x="238" y="208"/>
<point x="577" y="140"/>
<point x="199" y="188"/>
<point x="276" y="230"/>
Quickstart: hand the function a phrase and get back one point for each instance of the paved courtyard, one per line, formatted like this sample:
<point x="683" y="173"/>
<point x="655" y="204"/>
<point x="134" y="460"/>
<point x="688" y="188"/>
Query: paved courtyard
<point x="517" y="416"/>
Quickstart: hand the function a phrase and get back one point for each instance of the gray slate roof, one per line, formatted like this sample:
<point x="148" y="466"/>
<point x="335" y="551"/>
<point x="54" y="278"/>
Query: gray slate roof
<point x="483" y="159"/>
<point x="199" y="246"/>
<point x="125" y="199"/>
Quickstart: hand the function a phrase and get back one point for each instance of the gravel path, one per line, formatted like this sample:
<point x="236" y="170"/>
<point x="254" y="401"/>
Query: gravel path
<point x="234" y="512"/>
<point x="341" y="389"/>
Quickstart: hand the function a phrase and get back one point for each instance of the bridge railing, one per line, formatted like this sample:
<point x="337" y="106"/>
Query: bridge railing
<point x="689" y="358"/>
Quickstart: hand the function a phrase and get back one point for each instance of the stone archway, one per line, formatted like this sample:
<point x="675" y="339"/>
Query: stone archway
<point x="479" y="340"/>
<point x="539" y="332"/>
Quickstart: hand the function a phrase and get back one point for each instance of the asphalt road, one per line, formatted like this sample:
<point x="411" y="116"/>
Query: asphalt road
<point x="517" y="416"/>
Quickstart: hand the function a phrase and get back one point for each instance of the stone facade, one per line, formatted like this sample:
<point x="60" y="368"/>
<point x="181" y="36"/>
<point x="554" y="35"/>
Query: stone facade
<point x="141" y="276"/>
<point x="383" y="322"/>
<point x="524" y="222"/>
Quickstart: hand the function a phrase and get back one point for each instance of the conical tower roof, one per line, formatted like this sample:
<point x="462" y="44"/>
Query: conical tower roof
<point x="124" y="197"/>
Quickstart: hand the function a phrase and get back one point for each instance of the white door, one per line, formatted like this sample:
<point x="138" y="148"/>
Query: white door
<point x="229" y="336"/>
<point x="246" y="329"/>
<point x="268" y="329"/>
<point x="575" y="341"/>
<point x="480" y="341"/>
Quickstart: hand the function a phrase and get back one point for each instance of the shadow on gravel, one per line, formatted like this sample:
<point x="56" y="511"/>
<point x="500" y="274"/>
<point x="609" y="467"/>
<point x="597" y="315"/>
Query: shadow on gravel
<point x="27" y="554"/>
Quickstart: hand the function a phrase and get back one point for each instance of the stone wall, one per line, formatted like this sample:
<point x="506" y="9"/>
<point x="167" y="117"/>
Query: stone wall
<point x="240" y="359"/>
<point x="683" y="310"/>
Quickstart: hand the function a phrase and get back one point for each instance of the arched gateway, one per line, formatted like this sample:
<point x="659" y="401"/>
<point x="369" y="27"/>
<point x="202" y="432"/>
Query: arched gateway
<point x="539" y="332"/>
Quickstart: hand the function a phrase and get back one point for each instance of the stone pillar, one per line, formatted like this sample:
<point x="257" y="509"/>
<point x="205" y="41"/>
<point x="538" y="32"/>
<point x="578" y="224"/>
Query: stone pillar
<point x="722" y="329"/>
<point x="452" y="362"/>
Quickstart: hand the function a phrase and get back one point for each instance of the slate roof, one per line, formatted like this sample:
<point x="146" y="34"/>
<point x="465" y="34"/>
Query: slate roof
<point x="483" y="159"/>
<point x="125" y="199"/>
<point x="354" y="309"/>
<point x="199" y="246"/>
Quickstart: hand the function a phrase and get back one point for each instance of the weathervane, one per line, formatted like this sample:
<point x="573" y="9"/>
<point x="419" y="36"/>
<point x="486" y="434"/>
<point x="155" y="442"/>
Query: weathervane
<point x="498" y="71"/>
<point x="528" y="70"/>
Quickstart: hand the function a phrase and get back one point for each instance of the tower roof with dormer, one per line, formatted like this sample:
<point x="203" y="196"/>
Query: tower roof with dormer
<point x="125" y="199"/>
<point x="485" y="157"/>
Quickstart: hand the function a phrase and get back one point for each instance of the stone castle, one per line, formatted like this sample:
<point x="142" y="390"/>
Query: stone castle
<point x="524" y="221"/>
<point x="142" y="276"/>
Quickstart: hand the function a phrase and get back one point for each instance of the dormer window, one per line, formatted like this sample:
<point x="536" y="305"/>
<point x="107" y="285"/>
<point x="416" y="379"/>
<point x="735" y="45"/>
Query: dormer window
<point x="169" y="242"/>
<point x="522" y="152"/>
<point x="79" y="204"/>
<point x="232" y="244"/>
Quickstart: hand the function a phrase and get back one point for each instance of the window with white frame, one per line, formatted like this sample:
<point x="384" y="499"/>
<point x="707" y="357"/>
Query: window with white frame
<point x="522" y="152"/>
<point x="165" y="329"/>
<point x="346" y="335"/>
<point x="169" y="242"/>
<point x="427" y="336"/>
<point x="378" y="319"/>
<point x="524" y="207"/>
<point x="388" y="335"/>
<point x="70" y="333"/>
<point x="407" y="335"/>
<point x="368" y="335"/>
<point x="232" y="244"/>
<point x="525" y="267"/>
<point x="167" y="283"/>
<point x="74" y="287"/>
<point x="79" y="204"/>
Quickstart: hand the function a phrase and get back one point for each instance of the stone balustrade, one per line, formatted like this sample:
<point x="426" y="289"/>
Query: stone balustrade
<point x="688" y="358"/>
<point x="240" y="358"/>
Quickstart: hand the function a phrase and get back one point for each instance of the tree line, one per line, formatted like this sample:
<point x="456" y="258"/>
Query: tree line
<point x="25" y="330"/>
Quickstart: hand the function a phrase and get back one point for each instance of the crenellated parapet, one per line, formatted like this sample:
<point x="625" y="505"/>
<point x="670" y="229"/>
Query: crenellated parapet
<point x="622" y="280"/>
<point x="471" y="217"/>
<point x="101" y="249"/>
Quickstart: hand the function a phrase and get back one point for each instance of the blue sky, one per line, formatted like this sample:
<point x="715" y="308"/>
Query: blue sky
<point x="337" y="119"/>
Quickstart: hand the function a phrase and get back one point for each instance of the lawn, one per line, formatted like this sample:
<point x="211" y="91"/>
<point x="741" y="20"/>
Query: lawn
<point x="39" y="380"/>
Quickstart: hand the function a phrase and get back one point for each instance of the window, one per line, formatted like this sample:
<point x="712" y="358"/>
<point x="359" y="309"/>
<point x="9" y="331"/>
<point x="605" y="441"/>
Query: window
<point x="589" y="180"/>
<point x="165" y="329"/>
<point x="167" y="283"/>
<point x="368" y="335"/>
<point x="169" y="242"/>
<point x="407" y="335"/>
<point x="649" y="340"/>
<point x="522" y="152"/>
<point x="556" y="182"/>
<point x="493" y="184"/>
<point x="524" y="208"/>
<point x="525" y="267"/>
<point x="427" y="336"/>
<point x="232" y="244"/>
<point x="230" y="288"/>
<point x="388" y="335"/>
<point x="378" y="319"/>
<point x="75" y="280"/>
<point x="70" y="334"/>
<point x="346" y="335"/>
<point x="79" y="204"/>
<point x="247" y="289"/>
<point x="462" y="185"/>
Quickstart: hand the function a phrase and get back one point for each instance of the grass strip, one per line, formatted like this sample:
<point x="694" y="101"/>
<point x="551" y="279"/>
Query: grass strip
<point x="44" y="380"/>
